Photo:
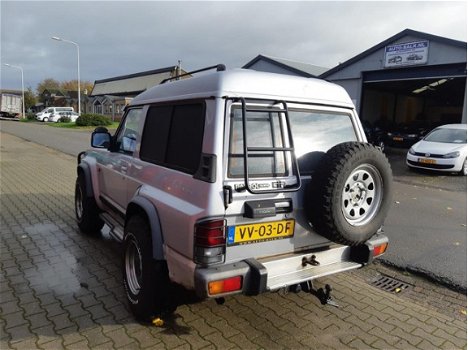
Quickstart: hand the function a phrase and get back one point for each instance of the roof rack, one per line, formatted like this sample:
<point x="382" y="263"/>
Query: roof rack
<point x="219" y="68"/>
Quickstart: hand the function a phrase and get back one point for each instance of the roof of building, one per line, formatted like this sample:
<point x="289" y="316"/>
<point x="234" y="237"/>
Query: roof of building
<point x="110" y="98"/>
<point x="301" y="68"/>
<point x="249" y="84"/>
<point x="132" y="84"/>
<point x="406" y="32"/>
<point x="12" y="92"/>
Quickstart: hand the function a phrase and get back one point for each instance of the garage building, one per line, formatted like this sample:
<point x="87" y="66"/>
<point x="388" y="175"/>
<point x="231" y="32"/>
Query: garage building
<point x="410" y="78"/>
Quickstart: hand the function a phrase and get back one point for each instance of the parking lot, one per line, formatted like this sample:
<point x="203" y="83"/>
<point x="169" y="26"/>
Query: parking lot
<point x="61" y="289"/>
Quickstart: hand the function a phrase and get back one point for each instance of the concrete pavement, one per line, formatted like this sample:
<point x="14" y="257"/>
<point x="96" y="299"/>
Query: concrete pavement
<point x="60" y="289"/>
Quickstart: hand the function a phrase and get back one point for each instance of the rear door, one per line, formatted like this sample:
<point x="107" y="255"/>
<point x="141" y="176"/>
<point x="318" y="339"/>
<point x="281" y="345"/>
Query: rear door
<point x="268" y="218"/>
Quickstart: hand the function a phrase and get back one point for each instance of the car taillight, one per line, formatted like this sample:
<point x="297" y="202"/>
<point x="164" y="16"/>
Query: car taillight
<point x="210" y="242"/>
<point x="380" y="249"/>
<point x="224" y="286"/>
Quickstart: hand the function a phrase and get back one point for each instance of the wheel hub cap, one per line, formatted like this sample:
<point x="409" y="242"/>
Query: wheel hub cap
<point x="133" y="267"/>
<point x="362" y="195"/>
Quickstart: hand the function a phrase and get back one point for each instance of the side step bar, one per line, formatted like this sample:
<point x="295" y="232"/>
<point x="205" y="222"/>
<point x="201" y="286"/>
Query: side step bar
<point x="116" y="227"/>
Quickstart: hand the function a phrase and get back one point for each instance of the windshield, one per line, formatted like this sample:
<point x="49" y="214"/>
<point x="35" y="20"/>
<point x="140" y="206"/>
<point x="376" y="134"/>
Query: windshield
<point x="447" y="136"/>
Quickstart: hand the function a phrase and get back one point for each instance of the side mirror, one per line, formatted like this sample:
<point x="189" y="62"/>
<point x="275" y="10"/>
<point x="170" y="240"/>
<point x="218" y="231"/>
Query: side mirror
<point x="100" y="138"/>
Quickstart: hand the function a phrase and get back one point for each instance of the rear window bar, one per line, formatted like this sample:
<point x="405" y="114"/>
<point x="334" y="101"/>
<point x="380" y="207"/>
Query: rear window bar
<point x="249" y="150"/>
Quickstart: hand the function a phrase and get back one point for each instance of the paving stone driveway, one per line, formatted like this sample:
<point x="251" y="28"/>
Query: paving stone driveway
<point x="61" y="289"/>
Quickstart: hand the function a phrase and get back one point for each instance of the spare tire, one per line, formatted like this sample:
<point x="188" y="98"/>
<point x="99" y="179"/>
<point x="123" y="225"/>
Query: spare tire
<point x="350" y="193"/>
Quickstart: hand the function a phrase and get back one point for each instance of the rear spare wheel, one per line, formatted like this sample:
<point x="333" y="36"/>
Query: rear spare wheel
<point x="350" y="193"/>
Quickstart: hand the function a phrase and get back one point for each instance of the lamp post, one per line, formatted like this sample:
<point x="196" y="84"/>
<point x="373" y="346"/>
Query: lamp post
<point x="22" y="82"/>
<point x="78" y="55"/>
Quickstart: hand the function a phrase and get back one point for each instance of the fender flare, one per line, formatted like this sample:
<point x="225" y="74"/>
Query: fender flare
<point x="83" y="167"/>
<point x="138" y="204"/>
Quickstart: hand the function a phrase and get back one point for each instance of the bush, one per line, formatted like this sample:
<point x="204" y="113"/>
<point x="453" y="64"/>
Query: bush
<point x="93" y="120"/>
<point x="30" y="116"/>
<point x="65" y="119"/>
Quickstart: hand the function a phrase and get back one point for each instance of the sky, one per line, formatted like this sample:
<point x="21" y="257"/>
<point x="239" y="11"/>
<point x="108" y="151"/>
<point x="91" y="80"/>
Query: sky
<point x="125" y="37"/>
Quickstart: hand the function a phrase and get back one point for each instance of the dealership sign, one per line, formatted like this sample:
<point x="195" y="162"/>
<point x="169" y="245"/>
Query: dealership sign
<point x="406" y="54"/>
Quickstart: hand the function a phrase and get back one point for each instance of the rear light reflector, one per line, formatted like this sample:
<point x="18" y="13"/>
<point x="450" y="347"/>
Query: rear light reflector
<point x="224" y="286"/>
<point x="380" y="249"/>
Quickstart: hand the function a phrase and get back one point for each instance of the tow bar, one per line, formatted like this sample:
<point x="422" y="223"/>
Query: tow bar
<point x="322" y="294"/>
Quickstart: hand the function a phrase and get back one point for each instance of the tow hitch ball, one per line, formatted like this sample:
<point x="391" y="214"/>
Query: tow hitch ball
<point x="311" y="261"/>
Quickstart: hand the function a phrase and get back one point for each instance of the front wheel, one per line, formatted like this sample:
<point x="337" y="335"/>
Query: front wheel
<point x="146" y="280"/>
<point x="350" y="193"/>
<point x="86" y="209"/>
<point x="463" y="170"/>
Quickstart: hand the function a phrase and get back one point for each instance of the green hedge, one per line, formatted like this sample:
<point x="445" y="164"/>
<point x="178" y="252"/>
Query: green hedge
<point x="93" y="120"/>
<point x="65" y="119"/>
<point x="30" y="116"/>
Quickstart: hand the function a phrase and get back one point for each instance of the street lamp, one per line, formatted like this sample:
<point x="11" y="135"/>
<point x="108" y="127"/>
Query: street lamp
<point x="22" y="82"/>
<point x="78" y="55"/>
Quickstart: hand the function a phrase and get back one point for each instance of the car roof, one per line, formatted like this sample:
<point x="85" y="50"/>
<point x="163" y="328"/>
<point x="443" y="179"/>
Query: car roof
<point x="453" y="126"/>
<point x="250" y="84"/>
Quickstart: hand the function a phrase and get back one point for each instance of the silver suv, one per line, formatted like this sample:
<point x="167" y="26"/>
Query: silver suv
<point x="234" y="181"/>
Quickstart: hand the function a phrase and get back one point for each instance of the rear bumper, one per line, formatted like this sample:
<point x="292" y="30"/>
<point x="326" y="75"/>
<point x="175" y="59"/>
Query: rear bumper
<point x="264" y="275"/>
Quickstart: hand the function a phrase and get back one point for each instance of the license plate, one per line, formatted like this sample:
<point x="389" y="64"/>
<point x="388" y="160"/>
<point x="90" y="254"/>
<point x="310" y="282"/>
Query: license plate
<point x="426" y="161"/>
<point x="267" y="231"/>
<point x="398" y="139"/>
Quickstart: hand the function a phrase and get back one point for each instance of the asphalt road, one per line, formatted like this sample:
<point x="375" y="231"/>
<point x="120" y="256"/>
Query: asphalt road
<point x="427" y="232"/>
<point x="67" y="141"/>
<point x="426" y="225"/>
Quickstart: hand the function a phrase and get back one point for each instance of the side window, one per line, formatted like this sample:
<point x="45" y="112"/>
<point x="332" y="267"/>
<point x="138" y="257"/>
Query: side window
<point x="173" y="136"/>
<point x="156" y="134"/>
<point x="128" y="132"/>
<point x="186" y="136"/>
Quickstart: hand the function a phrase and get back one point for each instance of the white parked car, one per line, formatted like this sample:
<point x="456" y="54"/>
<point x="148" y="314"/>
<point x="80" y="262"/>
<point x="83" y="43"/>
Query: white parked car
<point x="443" y="149"/>
<point x="45" y="114"/>
<point x="55" y="117"/>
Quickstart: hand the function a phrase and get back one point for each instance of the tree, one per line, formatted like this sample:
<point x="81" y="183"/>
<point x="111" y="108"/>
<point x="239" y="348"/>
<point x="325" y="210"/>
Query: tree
<point x="29" y="98"/>
<point x="48" y="83"/>
<point x="71" y="85"/>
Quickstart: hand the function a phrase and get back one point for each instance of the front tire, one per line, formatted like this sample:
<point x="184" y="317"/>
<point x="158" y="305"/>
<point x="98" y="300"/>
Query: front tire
<point x="86" y="209"/>
<point x="146" y="280"/>
<point x="350" y="193"/>
<point x="463" y="170"/>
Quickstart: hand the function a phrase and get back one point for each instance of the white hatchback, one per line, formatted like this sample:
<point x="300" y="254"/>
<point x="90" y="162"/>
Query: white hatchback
<point x="443" y="149"/>
<point x="55" y="117"/>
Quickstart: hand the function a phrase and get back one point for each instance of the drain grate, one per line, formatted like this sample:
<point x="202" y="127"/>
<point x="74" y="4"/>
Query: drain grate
<point x="390" y="284"/>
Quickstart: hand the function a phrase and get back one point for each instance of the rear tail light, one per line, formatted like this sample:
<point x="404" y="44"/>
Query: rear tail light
<point x="380" y="249"/>
<point x="210" y="242"/>
<point x="224" y="286"/>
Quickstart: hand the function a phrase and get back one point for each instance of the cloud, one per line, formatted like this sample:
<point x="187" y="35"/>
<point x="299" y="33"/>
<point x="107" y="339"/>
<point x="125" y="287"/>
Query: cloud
<point x="124" y="37"/>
